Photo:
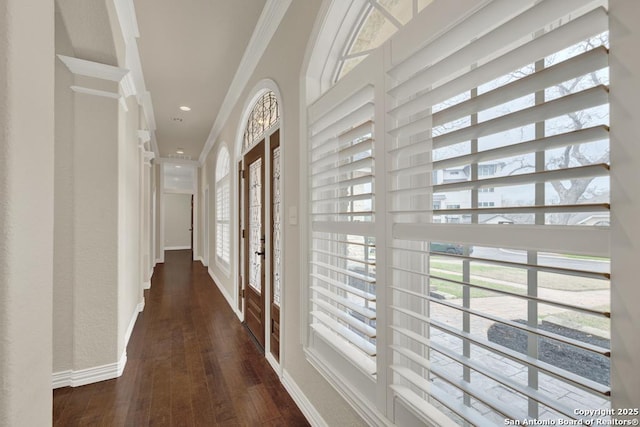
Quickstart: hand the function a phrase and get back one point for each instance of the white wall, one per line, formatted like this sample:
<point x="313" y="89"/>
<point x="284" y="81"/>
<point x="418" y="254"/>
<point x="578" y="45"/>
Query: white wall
<point x="64" y="210"/>
<point x="130" y="280"/>
<point x="282" y="63"/>
<point x="177" y="221"/>
<point x="26" y="210"/>
<point x="97" y="241"/>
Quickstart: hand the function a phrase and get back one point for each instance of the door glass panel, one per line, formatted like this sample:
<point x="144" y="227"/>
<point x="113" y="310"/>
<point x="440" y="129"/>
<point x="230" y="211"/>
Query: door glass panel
<point x="277" y="229"/>
<point x="255" y="225"/>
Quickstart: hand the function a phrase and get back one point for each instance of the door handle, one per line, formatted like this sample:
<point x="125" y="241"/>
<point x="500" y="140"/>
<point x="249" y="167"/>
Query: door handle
<point x="259" y="253"/>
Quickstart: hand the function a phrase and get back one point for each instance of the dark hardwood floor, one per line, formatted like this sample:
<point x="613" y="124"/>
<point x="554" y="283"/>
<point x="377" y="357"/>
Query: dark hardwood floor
<point x="190" y="363"/>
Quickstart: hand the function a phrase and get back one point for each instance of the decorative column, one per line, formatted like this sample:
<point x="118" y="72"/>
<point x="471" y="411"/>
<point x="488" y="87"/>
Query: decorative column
<point x="99" y="97"/>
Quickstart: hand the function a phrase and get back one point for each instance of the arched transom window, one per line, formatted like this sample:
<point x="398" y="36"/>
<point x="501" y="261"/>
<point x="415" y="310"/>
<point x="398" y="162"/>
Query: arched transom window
<point x="264" y="115"/>
<point x="378" y="20"/>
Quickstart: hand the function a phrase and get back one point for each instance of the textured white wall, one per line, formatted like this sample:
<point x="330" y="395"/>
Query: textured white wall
<point x="95" y="227"/>
<point x="625" y="202"/>
<point x="129" y="226"/>
<point x="282" y="63"/>
<point x="26" y="210"/>
<point x="97" y="273"/>
<point x="64" y="207"/>
<point x="177" y="220"/>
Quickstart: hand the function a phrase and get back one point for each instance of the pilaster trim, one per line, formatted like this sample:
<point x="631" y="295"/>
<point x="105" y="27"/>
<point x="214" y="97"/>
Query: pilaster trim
<point x="306" y="407"/>
<point x="270" y="18"/>
<point x="139" y="308"/>
<point x="98" y="70"/>
<point x="95" y="92"/>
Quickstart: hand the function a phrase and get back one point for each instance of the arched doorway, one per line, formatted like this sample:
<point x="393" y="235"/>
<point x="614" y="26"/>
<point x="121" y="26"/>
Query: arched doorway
<point x="260" y="222"/>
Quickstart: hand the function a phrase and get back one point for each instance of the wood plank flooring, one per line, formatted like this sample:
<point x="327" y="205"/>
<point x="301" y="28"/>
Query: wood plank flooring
<point x="190" y="363"/>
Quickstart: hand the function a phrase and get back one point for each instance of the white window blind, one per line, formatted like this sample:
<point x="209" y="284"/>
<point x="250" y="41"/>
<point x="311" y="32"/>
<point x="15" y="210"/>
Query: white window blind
<point x="342" y="242"/>
<point x="223" y="238"/>
<point x="500" y="302"/>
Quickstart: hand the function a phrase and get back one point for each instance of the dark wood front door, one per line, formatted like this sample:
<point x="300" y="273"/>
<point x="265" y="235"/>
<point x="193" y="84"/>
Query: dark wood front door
<point x="254" y="258"/>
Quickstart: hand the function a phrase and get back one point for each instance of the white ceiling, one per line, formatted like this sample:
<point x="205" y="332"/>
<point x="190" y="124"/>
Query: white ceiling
<point x="190" y="51"/>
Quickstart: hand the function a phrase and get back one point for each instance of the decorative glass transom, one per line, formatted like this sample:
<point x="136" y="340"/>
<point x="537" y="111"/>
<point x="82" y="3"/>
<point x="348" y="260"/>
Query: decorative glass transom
<point x="379" y="20"/>
<point x="264" y="115"/>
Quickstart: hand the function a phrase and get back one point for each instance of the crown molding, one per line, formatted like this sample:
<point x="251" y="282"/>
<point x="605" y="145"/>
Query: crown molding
<point x="270" y="18"/>
<point x="144" y="136"/>
<point x="82" y="67"/>
<point x="148" y="156"/>
<point x="171" y="160"/>
<point x="128" y="86"/>
<point x="126" y="14"/>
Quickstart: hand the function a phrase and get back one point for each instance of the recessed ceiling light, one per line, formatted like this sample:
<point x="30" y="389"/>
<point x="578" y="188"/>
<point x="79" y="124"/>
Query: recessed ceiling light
<point x="185" y="108"/>
<point x="180" y="151"/>
<point x="178" y="166"/>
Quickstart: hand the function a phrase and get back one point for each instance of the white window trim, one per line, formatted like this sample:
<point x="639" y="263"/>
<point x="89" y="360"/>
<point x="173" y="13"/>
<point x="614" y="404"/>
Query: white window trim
<point x="220" y="184"/>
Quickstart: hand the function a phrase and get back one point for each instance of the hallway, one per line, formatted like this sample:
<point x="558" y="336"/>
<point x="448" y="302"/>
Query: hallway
<point x="190" y="362"/>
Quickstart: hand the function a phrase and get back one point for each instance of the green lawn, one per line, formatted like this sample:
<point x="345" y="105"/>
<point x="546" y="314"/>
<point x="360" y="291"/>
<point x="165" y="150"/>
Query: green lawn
<point x="583" y="319"/>
<point x="519" y="276"/>
<point x="456" y="289"/>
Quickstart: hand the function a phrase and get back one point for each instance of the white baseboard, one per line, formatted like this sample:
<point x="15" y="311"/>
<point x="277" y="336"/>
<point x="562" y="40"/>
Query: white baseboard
<point x="307" y="408"/>
<point x="221" y="288"/>
<point x="230" y="300"/>
<point x="96" y="374"/>
<point x="274" y="363"/>
<point x="176" y="248"/>
<point x="70" y="378"/>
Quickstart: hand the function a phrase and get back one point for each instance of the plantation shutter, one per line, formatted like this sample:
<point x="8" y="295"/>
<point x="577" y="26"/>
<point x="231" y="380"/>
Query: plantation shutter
<point x="223" y="197"/>
<point x="517" y="110"/>
<point x="342" y="243"/>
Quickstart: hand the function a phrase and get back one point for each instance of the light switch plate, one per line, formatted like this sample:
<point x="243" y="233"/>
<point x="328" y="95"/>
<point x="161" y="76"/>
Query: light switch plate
<point x="293" y="215"/>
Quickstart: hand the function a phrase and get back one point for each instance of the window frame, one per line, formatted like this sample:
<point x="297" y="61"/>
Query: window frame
<point x="438" y="24"/>
<point x="223" y="210"/>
